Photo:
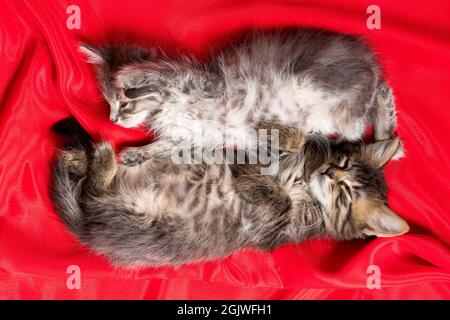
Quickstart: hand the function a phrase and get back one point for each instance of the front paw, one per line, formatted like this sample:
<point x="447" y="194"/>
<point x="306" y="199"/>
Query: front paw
<point x="132" y="157"/>
<point x="104" y="152"/>
<point x="400" y="153"/>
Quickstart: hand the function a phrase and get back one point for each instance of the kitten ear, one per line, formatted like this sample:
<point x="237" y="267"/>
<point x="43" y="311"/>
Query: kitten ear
<point x="94" y="56"/>
<point x="383" y="222"/>
<point x="379" y="153"/>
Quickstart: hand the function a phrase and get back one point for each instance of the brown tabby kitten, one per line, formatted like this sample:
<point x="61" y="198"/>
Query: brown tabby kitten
<point x="160" y="213"/>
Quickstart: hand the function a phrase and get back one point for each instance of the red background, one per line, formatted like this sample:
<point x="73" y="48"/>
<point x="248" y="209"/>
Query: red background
<point x="43" y="79"/>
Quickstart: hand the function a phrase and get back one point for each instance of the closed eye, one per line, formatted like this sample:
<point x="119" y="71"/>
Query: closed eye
<point x="344" y="164"/>
<point x="127" y="107"/>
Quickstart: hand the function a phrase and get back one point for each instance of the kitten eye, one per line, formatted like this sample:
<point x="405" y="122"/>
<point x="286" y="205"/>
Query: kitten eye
<point x="123" y="105"/>
<point x="344" y="164"/>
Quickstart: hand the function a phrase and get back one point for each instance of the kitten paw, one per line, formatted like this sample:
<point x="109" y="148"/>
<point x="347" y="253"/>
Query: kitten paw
<point x="104" y="155"/>
<point x="400" y="153"/>
<point x="103" y="150"/>
<point x="76" y="161"/>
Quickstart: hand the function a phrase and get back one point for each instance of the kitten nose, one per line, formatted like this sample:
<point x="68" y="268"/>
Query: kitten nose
<point x="114" y="119"/>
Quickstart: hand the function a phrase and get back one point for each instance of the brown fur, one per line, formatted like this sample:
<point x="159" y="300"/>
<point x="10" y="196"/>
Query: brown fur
<point x="162" y="213"/>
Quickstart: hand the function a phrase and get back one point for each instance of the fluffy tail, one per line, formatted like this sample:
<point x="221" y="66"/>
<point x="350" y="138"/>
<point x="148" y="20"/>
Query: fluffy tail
<point x="68" y="174"/>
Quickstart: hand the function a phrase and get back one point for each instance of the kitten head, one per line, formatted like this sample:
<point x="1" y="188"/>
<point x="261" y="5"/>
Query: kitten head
<point x="351" y="188"/>
<point x="127" y="109"/>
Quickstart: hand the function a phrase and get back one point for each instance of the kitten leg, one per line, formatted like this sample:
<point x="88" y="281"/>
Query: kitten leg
<point x="290" y="138"/>
<point x="385" y="118"/>
<point x="263" y="190"/>
<point x="272" y="206"/>
<point x="103" y="167"/>
<point x="133" y="156"/>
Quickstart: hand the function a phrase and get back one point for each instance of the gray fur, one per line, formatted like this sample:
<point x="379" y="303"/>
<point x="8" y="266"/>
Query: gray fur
<point x="318" y="81"/>
<point x="160" y="213"/>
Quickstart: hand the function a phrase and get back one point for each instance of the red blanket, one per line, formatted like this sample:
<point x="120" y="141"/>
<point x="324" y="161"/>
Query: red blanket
<point x="43" y="78"/>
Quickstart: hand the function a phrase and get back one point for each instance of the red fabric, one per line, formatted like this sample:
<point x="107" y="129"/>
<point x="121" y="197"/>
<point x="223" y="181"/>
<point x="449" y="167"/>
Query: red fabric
<point x="43" y="79"/>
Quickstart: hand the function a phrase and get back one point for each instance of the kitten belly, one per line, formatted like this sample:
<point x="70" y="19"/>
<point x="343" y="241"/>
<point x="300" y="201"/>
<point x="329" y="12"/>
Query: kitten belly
<point x="309" y="109"/>
<point x="208" y="126"/>
<point x="312" y="109"/>
<point x="320" y="121"/>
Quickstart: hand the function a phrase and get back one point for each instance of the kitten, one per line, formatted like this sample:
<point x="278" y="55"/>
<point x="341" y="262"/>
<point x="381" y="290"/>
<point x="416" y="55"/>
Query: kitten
<point x="318" y="81"/>
<point x="165" y="214"/>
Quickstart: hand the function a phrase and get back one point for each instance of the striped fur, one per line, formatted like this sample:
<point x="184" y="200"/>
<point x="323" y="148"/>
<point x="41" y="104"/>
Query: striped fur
<point x="160" y="213"/>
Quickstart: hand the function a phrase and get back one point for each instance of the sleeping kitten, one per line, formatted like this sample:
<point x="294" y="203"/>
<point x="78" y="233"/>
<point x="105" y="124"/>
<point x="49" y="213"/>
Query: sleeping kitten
<point x="165" y="214"/>
<point x="318" y="81"/>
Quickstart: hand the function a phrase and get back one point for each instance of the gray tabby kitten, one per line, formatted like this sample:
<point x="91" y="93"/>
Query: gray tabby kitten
<point x="165" y="214"/>
<point x="318" y="81"/>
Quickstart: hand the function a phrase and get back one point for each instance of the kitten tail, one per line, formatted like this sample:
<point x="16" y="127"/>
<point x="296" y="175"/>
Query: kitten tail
<point x="68" y="174"/>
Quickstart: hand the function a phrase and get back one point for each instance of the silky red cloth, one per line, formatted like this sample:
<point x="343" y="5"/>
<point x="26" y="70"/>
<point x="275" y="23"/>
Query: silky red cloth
<point x="43" y="78"/>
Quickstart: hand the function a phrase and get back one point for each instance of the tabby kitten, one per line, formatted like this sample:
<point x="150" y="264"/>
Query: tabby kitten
<point x="160" y="213"/>
<point x="318" y="81"/>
